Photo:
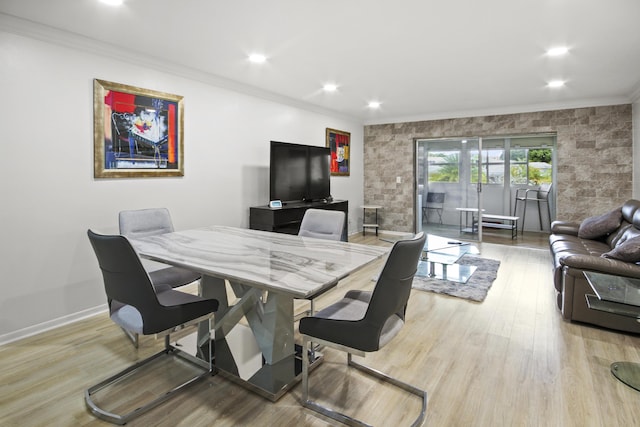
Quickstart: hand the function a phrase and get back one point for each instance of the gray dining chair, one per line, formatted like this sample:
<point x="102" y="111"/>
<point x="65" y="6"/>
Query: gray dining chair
<point x="321" y="224"/>
<point x="136" y="305"/>
<point x="140" y="223"/>
<point x="364" y="322"/>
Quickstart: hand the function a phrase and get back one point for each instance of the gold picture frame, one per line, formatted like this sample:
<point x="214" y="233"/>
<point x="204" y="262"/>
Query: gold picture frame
<point x="339" y="143"/>
<point x="136" y="132"/>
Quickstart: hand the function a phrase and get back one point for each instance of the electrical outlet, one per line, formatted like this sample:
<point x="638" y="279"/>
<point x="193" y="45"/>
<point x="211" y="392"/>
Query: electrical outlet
<point x="398" y="180"/>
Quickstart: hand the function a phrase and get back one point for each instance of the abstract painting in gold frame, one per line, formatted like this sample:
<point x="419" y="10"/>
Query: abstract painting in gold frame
<point x="136" y="132"/>
<point x="339" y="143"/>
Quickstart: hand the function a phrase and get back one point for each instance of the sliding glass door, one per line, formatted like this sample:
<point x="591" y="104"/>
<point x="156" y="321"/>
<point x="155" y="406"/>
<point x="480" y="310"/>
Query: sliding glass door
<point x="449" y="184"/>
<point x="490" y="174"/>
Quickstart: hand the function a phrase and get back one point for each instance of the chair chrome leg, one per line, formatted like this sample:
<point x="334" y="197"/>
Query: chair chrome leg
<point x="305" y="370"/>
<point x="132" y="336"/>
<point x="345" y="419"/>
<point x="400" y="384"/>
<point x="169" y="350"/>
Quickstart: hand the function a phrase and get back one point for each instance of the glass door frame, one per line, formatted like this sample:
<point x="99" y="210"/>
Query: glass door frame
<point x="464" y="179"/>
<point x="503" y="203"/>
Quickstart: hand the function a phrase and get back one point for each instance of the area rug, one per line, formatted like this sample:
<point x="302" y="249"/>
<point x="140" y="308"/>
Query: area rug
<point x="475" y="289"/>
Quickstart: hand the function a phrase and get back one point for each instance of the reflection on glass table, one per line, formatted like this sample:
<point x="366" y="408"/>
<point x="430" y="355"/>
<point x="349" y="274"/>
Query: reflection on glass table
<point x="439" y="258"/>
<point x="619" y="295"/>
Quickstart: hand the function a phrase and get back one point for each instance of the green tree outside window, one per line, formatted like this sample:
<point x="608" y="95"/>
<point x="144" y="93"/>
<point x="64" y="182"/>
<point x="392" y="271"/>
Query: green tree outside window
<point x="444" y="166"/>
<point x="531" y="166"/>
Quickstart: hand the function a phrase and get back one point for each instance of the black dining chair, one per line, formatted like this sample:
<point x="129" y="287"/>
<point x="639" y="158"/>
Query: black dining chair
<point x="364" y="322"/>
<point x="136" y="305"/>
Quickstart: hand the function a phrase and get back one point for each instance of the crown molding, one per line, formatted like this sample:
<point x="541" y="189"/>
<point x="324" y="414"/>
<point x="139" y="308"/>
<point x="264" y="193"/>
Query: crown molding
<point x="26" y="28"/>
<point x="515" y="109"/>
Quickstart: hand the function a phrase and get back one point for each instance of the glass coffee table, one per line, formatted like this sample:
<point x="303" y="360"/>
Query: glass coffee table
<point x="440" y="256"/>
<point x="619" y="295"/>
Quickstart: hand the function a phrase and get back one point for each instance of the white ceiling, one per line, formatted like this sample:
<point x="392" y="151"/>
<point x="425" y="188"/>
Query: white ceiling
<point x="420" y="58"/>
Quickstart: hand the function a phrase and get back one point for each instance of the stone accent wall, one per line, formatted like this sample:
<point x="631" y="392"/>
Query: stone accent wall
<point x="594" y="156"/>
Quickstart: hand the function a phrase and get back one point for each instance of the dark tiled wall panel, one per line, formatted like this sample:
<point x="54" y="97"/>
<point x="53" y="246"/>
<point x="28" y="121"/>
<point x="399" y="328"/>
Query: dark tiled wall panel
<point x="595" y="158"/>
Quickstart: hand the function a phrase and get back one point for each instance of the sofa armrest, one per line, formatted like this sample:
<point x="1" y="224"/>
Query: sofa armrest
<point x="565" y="227"/>
<point x="602" y="265"/>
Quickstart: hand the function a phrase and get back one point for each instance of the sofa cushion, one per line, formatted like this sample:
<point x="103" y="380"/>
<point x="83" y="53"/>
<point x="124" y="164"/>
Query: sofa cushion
<point x="628" y="251"/>
<point x="601" y="225"/>
<point x="564" y="228"/>
<point x="575" y="245"/>
<point x="620" y="235"/>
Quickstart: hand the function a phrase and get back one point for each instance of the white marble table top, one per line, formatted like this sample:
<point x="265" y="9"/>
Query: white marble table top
<point x="298" y="266"/>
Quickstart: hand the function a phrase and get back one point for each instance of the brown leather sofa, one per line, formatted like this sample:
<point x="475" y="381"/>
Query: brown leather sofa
<point x="572" y="255"/>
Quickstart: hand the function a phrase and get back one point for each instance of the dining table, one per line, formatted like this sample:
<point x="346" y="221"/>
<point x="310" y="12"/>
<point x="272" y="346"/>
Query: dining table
<point x="256" y="276"/>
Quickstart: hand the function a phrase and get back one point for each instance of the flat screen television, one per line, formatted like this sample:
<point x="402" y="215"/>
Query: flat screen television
<point x="299" y="172"/>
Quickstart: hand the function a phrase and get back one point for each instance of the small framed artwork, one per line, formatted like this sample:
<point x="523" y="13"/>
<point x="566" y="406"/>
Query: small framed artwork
<point x="339" y="144"/>
<point x="136" y="132"/>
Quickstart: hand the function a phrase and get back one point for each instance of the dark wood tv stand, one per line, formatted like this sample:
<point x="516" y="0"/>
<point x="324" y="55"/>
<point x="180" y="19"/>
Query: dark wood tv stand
<point x="287" y="219"/>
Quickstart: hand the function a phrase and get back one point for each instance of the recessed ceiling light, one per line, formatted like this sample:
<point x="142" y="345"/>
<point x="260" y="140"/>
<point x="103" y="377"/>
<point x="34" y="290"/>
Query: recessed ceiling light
<point x="113" y="2"/>
<point x="257" y="58"/>
<point x="329" y="87"/>
<point x="556" y="83"/>
<point x="374" y="104"/>
<point x="558" y="51"/>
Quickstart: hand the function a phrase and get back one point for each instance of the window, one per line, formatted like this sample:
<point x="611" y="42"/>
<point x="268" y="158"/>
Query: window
<point x="492" y="166"/>
<point x="444" y="166"/>
<point x="530" y="166"/>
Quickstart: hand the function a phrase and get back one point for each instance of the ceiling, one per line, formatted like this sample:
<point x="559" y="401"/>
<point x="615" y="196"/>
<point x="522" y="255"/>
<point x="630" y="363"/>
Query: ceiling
<point x="421" y="59"/>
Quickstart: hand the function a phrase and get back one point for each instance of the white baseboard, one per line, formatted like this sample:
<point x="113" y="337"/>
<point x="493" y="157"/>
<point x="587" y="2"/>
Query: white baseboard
<point x="51" y="324"/>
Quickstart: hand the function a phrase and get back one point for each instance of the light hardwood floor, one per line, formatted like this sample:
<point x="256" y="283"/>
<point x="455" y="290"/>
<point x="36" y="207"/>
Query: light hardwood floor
<point x="508" y="361"/>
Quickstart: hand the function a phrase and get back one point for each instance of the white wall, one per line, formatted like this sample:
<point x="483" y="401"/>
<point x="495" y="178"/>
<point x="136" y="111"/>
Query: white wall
<point x="50" y="198"/>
